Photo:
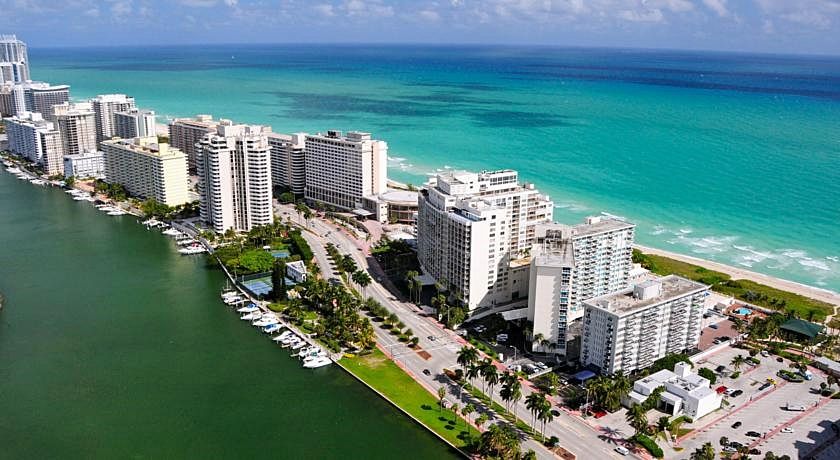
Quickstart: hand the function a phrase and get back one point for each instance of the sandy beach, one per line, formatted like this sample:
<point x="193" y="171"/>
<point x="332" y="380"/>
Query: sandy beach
<point x="737" y="273"/>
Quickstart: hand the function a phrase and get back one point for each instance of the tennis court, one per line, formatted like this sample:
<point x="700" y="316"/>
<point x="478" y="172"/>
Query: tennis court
<point x="261" y="286"/>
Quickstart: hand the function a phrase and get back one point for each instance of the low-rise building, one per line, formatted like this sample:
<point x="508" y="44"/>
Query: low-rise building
<point x="401" y="205"/>
<point x="632" y="328"/>
<point x="147" y="169"/>
<point x="685" y="393"/>
<point x="296" y="271"/>
<point x="85" y="165"/>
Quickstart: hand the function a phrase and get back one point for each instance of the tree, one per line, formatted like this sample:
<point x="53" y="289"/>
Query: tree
<point x="468" y="409"/>
<point x="490" y="375"/>
<point x="530" y="455"/>
<point x="441" y="395"/>
<point x="499" y="441"/>
<point x="278" y="281"/>
<point x="534" y="402"/>
<point x="473" y="371"/>
<point x="737" y="362"/>
<point x="70" y="181"/>
<point x="707" y="374"/>
<point x="704" y="452"/>
<point x="482" y="418"/>
<point x="545" y="415"/>
<point x="467" y="356"/>
<point x="410" y="276"/>
<point x="537" y="340"/>
<point x="724" y="441"/>
<point x="361" y="278"/>
<point x="637" y="418"/>
<point x="662" y="425"/>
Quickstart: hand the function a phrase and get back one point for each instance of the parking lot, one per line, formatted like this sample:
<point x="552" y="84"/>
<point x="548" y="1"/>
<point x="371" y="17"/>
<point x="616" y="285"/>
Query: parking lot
<point x="764" y="411"/>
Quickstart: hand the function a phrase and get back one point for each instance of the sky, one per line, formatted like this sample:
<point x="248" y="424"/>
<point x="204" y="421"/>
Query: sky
<point x="773" y="26"/>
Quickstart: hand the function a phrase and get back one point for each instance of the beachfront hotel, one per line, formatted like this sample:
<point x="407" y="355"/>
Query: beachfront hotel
<point x="134" y="123"/>
<point x="76" y="124"/>
<point x="14" y="60"/>
<point x="147" y="169"/>
<point x="632" y="328"/>
<point x="104" y="108"/>
<point x="85" y="165"/>
<point x="347" y="172"/>
<point x="288" y="161"/>
<point x="570" y="264"/>
<point x="185" y="133"/>
<point x="37" y="140"/>
<point x="32" y="96"/>
<point x="234" y="177"/>
<point x="475" y="230"/>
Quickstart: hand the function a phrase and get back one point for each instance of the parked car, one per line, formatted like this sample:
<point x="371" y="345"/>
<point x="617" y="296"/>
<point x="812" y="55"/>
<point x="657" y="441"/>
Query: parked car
<point x="730" y="449"/>
<point x="427" y="372"/>
<point x="622" y="450"/>
<point x="713" y="326"/>
<point x="737" y="393"/>
<point x="755" y="451"/>
<point x="736" y="425"/>
<point x="765" y="386"/>
<point x="765" y="353"/>
<point x="753" y="434"/>
<point x="787" y="429"/>
<point x="795" y="407"/>
<point x="735" y="444"/>
<point x="730" y="391"/>
<point x="720" y="368"/>
<point x="720" y="389"/>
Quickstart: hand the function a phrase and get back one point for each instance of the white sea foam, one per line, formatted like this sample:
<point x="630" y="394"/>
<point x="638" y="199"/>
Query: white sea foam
<point x="685" y="231"/>
<point x="573" y="207"/>
<point x="658" y="230"/>
<point x="818" y="264"/>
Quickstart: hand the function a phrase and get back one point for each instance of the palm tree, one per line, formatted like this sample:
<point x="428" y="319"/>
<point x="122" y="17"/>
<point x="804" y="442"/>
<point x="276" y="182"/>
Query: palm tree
<point x="530" y="455"/>
<point x="467" y="356"/>
<point x="724" y="441"/>
<point x="361" y="278"/>
<point x="737" y="362"/>
<point x="537" y="339"/>
<point x="439" y="302"/>
<point x="473" y="371"/>
<point x="500" y="441"/>
<point x="545" y="415"/>
<point x="704" y="452"/>
<point x="480" y="420"/>
<point x="441" y="394"/>
<point x="662" y="425"/>
<point x="468" y="409"/>
<point x="534" y="403"/>
<point x="515" y="392"/>
<point x="490" y="375"/>
<point x="637" y="418"/>
<point x="409" y="280"/>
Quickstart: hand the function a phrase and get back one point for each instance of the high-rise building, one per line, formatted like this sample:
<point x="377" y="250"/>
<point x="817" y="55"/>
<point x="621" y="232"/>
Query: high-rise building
<point x="104" y="108"/>
<point x="185" y="133"/>
<point x="474" y="232"/>
<point x="288" y="162"/>
<point x="632" y="328"/>
<point x="135" y="123"/>
<point x="76" y="124"/>
<point x="14" y="60"/>
<point x="234" y="177"/>
<point x="570" y="264"/>
<point x="346" y="172"/>
<point x="147" y="169"/>
<point x="37" y="140"/>
<point x="85" y="165"/>
<point x="41" y="97"/>
<point x="8" y="104"/>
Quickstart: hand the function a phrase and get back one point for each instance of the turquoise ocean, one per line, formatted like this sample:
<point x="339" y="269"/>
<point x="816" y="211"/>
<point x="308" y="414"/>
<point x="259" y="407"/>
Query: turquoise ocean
<point x="728" y="157"/>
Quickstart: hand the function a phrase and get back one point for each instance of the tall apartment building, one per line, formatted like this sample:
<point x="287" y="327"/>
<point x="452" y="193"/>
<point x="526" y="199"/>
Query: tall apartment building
<point x="347" y="172"/>
<point x="14" y="60"/>
<point x="147" y="169"/>
<point x="31" y="96"/>
<point x="631" y="329"/>
<point x="134" y="123"/>
<point x="104" y="108"/>
<point x="288" y="161"/>
<point x="76" y="124"/>
<point x="185" y="133"/>
<point x="37" y="140"/>
<point x="234" y="177"/>
<point x="570" y="264"/>
<point x="475" y="231"/>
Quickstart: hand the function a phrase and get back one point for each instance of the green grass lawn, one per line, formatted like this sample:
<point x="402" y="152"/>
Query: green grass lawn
<point x="805" y="308"/>
<point x="382" y="374"/>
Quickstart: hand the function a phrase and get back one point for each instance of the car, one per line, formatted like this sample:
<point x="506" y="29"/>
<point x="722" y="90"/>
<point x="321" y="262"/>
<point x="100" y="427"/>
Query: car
<point x="736" y="425"/>
<point x="753" y="434"/>
<point x="432" y="338"/>
<point x="765" y="353"/>
<point x="730" y="449"/>
<point x="713" y="326"/>
<point x="780" y="359"/>
<point x="755" y="451"/>
<point x="765" y="386"/>
<point x="427" y="372"/>
<point x="720" y="368"/>
<point x="729" y="392"/>
<point x="622" y="450"/>
<point x="795" y="408"/>
<point x="737" y="393"/>
<point x="720" y="389"/>
<point x="716" y="341"/>
<point x="787" y="429"/>
<point x="735" y="444"/>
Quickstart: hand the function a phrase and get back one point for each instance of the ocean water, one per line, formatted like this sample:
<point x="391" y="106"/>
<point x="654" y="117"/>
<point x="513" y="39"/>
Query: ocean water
<point x="729" y="157"/>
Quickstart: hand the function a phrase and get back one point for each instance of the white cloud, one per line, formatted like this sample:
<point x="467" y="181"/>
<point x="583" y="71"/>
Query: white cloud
<point x="369" y="8"/>
<point x="718" y="6"/>
<point x="198" y="3"/>
<point x="120" y="9"/>
<point x="809" y="18"/>
<point x="677" y="6"/>
<point x="92" y="13"/>
<point x="325" y="9"/>
<point x="817" y="14"/>
<point x="653" y="15"/>
<point x="231" y="3"/>
<point x="429" y="15"/>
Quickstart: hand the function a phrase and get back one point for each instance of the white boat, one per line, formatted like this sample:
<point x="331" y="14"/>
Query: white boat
<point x="151" y="222"/>
<point x="248" y="309"/>
<point x="117" y="212"/>
<point x="298" y="345"/>
<point x="172" y="232"/>
<point x="272" y="328"/>
<point x="186" y="241"/>
<point x="37" y="182"/>
<point x="267" y="320"/>
<point x="79" y="198"/>
<point x="282" y="336"/>
<point x="317" y="362"/>
<point x="195" y="249"/>
<point x="251" y="316"/>
<point x="233" y="300"/>
<point x="312" y="356"/>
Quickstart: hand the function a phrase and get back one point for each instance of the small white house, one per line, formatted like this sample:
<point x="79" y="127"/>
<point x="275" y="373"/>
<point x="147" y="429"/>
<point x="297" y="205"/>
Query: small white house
<point x="296" y="271"/>
<point x="685" y="392"/>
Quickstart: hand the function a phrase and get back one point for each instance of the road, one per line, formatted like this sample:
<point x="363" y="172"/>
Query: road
<point x="443" y="345"/>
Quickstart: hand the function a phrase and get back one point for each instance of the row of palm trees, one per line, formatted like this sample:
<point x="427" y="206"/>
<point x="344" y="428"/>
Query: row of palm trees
<point x="607" y="392"/>
<point x="342" y="321"/>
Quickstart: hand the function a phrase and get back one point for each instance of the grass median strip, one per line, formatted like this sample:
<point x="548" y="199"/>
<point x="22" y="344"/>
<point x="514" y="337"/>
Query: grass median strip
<point x="382" y="374"/>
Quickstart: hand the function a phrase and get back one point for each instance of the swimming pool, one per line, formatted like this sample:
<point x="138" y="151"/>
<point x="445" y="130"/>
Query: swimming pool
<point x="743" y="311"/>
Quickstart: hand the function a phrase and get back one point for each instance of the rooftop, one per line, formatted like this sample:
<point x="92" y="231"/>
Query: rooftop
<point x="598" y="224"/>
<point x="145" y="145"/>
<point x="802" y="327"/>
<point x="400" y="196"/>
<point x="624" y="302"/>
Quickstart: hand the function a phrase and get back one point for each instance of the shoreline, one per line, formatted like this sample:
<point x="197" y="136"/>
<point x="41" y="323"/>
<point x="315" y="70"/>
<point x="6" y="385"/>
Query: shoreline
<point x="815" y="293"/>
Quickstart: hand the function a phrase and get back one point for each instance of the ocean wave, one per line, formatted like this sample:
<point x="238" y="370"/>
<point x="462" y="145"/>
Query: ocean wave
<point x="685" y="231"/>
<point x="658" y="230"/>
<point x="573" y="207"/>
<point x="818" y="264"/>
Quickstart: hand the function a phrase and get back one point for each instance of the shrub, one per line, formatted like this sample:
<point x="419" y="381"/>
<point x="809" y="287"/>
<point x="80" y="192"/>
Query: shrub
<point x="552" y="441"/>
<point x="735" y="375"/>
<point x="648" y="444"/>
<point x="708" y="374"/>
<point x="301" y="247"/>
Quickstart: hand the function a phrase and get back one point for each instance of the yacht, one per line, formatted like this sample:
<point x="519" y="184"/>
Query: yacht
<point x="37" y="182"/>
<point x="298" y="345"/>
<point x="172" y="232"/>
<point x="312" y="356"/>
<point x="267" y="320"/>
<point x="186" y="241"/>
<point x="272" y="328"/>
<point x="117" y="212"/>
<point x="194" y="249"/>
<point x="248" y="309"/>
<point x="251" y="316"/>
<point x="320" y="361"/>
<point x="282" y="336"/>
<point x="231" y="301"/>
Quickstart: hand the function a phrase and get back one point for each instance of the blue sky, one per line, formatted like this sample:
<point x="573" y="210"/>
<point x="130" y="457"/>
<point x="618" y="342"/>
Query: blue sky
<point x="781" y="26"/>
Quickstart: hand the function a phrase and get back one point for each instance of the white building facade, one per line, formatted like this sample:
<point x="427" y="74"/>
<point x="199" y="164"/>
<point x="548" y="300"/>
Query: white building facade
<point x="685" y="393"/>
<point x="474" y="231"/>
<point x="77" y="126"/>
<point x="85" y="165"/>
<point x="186" y="133"/>
<point x="37" y="140"/>
<point x="234" y="177"/>
<point x="104" y="108"/>
<point x="630" y="329"/>
<point x="147" y="169"/>
<point x="288" y="161"/>
<point x="134" y="123"/>
<point x="573" y="263"/>
<point x="14" y="60"/>
<point x="345" y="171"/>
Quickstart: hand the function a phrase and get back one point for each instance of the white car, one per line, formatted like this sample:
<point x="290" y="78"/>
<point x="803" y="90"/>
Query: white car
<point x="787" y="429"/>
<point x="622" y="450"/>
